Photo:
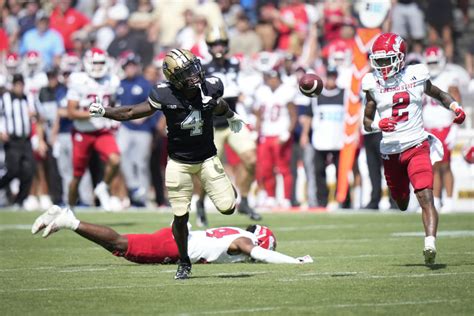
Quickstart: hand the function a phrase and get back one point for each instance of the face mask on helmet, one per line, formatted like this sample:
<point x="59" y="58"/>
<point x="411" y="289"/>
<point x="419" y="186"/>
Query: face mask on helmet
<point x="183" y="69"/>
<point x="434" y="60"/>
<point x="96" y="63"/>
<point x="32" y="61"/>
<point x="388" y="55"/>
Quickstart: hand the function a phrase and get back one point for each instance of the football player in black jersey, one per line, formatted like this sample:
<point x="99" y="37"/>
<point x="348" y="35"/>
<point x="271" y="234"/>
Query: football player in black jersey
<point x="227" y="69"/>
<point x="189" y="101"/>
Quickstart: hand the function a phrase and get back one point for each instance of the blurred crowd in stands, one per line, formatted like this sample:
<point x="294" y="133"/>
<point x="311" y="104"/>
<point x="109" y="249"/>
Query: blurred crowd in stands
<point x="43" y="42"/>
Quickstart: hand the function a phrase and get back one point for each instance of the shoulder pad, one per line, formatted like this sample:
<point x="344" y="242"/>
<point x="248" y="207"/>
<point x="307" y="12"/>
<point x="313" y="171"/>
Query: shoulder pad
<point x="76" y="77"/>
<point x="420" y="71"/>
<point x="368" y="82"/>
<point x="158" y="93"/>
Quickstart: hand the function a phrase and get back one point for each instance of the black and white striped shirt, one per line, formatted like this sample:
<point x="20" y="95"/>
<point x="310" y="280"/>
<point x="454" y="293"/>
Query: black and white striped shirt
<point x="15" y="115"/>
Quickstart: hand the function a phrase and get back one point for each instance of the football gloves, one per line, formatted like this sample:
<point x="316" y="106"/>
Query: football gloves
<point x="460" y="115"/>
<point x="235" y="123"/>
<point x="96" y="109"/>
<point x="387" y="124"/>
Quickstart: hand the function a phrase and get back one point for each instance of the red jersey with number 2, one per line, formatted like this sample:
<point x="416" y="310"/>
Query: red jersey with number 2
<point x="400" y="98"/>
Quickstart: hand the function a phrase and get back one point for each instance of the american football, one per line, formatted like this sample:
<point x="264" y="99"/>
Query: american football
<point x="311" y="85"/>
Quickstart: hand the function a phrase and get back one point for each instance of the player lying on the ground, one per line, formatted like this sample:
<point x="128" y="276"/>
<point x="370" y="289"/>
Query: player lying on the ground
<point x="396" y="92"/>
<point x="217" y="245"/>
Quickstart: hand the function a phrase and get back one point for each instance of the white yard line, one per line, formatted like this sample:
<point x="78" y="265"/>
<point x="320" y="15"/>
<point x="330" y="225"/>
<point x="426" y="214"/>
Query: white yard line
<point x="83" y="270"/>
<point x="393" y="303"/>
<point x="310" y="227"/>
<point x="15" y="226"/>
<point x="234" y="311"/>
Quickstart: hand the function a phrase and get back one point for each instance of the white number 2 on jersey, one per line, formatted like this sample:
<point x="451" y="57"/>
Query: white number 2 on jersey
<point x="193" y="122"/>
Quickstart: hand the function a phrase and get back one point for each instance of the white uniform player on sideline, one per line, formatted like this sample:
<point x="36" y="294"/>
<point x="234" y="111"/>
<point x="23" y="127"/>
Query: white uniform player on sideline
<point x="276" y="121"/>
<point x="439" y="121"/>
<point x="92" y="133"/>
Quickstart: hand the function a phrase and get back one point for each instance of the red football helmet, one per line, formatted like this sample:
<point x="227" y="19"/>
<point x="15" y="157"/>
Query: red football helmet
<point x="32" y="60"/>
<point x="265" y="237"/>
<point x="96" y="63"/>
<point x="12" y="62"/>
<point x="468" y="152"/>
<point x="434" y="58"/>
<point x="388" y="55"/>
<point x="339" y="53"/>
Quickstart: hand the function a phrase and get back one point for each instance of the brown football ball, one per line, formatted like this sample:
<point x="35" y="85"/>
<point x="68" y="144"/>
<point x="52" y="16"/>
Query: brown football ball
<point x="311" y="85"/>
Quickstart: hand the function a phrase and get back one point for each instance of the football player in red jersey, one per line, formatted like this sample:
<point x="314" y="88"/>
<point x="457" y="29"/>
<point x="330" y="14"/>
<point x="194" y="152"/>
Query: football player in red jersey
<point x="217" y="245"/>
<point x="396" y="92"/>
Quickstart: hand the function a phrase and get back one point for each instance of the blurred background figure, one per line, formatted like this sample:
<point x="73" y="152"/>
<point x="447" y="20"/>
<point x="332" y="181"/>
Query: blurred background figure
<point x="16" y="128"/>
<point x="439" y="121"/>
<point x="134" y="138"/>
<point x="276" y="121"/>
<point x="325" y="117"/>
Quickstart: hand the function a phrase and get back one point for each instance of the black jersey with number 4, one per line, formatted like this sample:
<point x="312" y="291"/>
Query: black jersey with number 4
<point x="189" y="122"/>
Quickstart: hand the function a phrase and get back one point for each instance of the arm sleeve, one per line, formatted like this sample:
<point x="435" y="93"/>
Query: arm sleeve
<point x="269" y="256"/>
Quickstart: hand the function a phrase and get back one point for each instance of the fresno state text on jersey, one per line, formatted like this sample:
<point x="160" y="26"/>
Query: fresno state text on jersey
<point x="84" y="89"/>
<point x="189" y="122"/>
<point x="400" y="98"/>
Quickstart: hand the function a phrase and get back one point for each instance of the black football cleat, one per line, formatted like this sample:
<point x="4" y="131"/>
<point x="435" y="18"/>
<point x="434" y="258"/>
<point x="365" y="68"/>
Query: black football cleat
<point x="244" y="208"/>
<point x="184" y="271"/>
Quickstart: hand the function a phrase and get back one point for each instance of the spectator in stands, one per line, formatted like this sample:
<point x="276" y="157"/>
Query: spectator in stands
<point x="265" y="29"/>
<point x="134" y="137"/>
<point x="105" y="18"/>
<point x="292" y="24"/>
<point x="10" y="12"/>
<point x="28" y="20"/>
<point x="407" y="21"/>
<point x="126" y="40"/>
<point x="439" y="16"/>
<point x="336" y="13"/>
<point x="46" y="41"/>
<point x="231" y="11"/>
<point x="245" y="40"/>
<point x="67" y="21"/>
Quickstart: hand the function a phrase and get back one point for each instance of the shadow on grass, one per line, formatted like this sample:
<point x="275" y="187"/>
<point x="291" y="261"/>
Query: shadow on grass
<point x="224" y="276"/>
<point x="436" y="266"/>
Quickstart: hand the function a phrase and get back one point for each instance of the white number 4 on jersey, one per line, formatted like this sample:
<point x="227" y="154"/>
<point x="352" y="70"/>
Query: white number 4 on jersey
<point x="193" y="122"/>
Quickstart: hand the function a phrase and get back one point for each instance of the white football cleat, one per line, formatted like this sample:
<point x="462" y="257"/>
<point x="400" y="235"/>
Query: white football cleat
<point x="305" y="259"/>
<point x="430" y="255"/>
<point x="65" y="219"/>
<point x="102" y="193"/>
<point x="45" y="219"/>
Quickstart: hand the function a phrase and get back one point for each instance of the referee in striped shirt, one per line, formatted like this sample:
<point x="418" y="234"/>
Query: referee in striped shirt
<point x="17" y="111"/>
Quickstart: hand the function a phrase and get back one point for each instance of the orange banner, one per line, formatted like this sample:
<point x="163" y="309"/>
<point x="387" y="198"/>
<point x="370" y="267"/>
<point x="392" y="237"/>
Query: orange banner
<point x="360" y="66"/>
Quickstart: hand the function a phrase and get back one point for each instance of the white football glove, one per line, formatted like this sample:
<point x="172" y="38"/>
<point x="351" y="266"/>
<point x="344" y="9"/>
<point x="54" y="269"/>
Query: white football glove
<point x="96" y="109"/>
<point x="235" y="123"/>
<point x="305" y="259"/>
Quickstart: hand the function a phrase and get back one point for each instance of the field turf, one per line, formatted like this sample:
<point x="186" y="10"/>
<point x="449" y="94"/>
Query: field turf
<point x="364" y="264"/>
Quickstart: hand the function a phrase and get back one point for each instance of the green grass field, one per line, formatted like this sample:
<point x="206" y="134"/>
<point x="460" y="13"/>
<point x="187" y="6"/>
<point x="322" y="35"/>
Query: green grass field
<point x="363" y="265"/>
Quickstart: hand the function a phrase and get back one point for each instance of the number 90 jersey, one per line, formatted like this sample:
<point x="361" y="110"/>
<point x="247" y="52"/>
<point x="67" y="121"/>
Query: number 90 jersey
<point x="400" y="98"/>
<point x="212" y="245"/>
<point x="189" y="123"/>
<point x="84" y="89"/>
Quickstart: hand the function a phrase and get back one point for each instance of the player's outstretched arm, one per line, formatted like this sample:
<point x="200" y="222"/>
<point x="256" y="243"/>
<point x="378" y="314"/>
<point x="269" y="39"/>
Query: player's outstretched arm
<point x="222" y="109"/>
<point x="122" y="113"/>
<point x="246" y="246"/>
<point x="446" y="100"/>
